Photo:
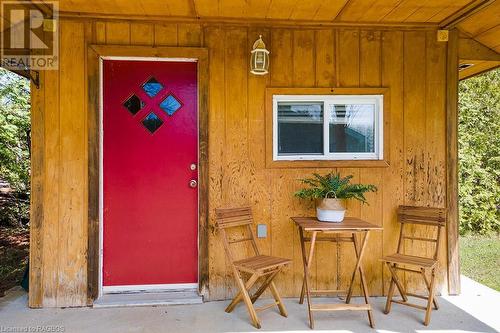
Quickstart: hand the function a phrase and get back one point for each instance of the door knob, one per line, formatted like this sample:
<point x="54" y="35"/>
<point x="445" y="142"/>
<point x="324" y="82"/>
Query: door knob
<point x="193" y="183"/>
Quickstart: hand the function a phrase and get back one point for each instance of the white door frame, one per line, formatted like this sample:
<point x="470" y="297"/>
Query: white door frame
<point x="151" y="287"/>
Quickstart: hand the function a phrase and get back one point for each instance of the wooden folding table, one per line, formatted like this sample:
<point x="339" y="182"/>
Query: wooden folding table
<point x="331" y="232"/>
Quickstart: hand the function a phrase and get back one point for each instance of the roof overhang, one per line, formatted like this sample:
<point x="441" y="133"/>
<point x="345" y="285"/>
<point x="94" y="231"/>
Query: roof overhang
<point x="477" y="20"/>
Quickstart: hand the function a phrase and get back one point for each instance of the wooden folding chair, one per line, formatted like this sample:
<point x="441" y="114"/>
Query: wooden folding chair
<point x="434" y="217"/>
<point x="256" y="267"/>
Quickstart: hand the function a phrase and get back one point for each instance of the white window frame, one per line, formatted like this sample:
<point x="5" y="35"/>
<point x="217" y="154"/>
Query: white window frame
<point x="327" y="100"/>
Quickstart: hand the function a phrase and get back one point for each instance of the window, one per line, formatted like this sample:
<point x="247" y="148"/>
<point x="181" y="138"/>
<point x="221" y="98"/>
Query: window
<point x="327" y="127"/>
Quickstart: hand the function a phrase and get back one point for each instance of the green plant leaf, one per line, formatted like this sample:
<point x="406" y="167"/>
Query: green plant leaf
<point x="332" y="185"/>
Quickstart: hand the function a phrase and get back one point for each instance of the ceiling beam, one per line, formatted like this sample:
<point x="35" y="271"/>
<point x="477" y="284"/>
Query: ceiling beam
<point x="252" y="21"/>
<point x="339" y="14"/>
<point x="469" y="49"/>
<point x="192" y="8"/>
<point x="477" y="69"/>
<point x="454" y="19"/>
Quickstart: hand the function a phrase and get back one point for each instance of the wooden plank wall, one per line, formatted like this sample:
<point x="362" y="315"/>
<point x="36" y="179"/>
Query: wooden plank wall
<point x="410" y="63"/>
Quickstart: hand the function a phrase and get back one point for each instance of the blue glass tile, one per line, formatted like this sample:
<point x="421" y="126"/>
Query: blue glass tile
<point x="152" y="87"/>
<point x="133" y="104"/>
<point x="170" y="105"/>
<point x="152" y="122"/>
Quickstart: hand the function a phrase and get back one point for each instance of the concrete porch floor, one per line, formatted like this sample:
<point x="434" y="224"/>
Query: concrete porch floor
<point x="476" y="310"/>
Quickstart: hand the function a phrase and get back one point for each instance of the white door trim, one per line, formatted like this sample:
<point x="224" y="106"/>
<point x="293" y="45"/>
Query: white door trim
<point x="149" y="288"/>
<point x="137" y="288"/>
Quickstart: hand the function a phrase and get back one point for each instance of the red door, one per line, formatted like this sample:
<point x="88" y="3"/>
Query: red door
<point x="150" y="156"/>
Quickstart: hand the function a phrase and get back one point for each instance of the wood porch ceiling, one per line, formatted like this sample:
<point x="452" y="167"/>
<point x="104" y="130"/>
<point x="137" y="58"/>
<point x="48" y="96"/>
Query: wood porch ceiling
<point x="477" y="19"/>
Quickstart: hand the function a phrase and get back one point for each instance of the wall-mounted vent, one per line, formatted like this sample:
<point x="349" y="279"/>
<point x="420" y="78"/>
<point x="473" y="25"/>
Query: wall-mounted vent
<point x="461" y="67"/>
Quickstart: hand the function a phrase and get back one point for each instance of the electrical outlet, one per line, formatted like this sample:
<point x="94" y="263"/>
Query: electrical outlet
<point x="261" y="231"/>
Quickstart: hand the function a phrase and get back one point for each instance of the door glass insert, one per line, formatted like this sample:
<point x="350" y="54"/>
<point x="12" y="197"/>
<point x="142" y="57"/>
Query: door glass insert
<point x="152" y="122"/>
<point x="133" y="104"/>
<point x="170" y="105"/>
<point x="152" y="87"/>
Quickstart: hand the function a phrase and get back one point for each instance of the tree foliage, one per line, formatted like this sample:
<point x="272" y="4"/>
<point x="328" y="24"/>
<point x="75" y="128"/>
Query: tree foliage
<point x="15" y="129"/>
<point x="479" y="153"/>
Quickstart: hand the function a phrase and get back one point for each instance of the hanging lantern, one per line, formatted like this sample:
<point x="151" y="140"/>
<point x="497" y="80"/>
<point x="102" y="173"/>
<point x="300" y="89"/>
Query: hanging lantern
<point x="259" y="61"/>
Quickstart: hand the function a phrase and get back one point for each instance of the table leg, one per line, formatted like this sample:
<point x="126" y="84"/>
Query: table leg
<point x="351" y="284"/>
<point x="307" y="261"/>
<point x="304" y="263"/>
<point x="359" y="253"/>
<point x="307" y="264"/>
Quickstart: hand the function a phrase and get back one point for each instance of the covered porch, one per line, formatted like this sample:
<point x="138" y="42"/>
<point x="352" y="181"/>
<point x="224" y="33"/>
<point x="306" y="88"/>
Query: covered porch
<point x="472" y="311"/>
<point x="410" y="51"/>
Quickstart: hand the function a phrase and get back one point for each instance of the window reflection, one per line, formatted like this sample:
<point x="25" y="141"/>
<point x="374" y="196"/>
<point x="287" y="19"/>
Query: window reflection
<point x="170" y="105"/>
<point x="152" y="122"/>
<point x="133" y="104"/>
<point x="152" y="87"/>
<point x="300" y="128"/>
<point x="352" y="128"/>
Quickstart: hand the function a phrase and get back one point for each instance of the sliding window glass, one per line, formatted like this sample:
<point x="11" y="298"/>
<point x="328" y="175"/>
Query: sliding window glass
<point x="330" y="127"/>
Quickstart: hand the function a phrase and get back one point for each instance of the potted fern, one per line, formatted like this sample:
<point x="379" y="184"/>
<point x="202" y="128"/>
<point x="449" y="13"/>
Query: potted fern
<point x="330" y="192"/>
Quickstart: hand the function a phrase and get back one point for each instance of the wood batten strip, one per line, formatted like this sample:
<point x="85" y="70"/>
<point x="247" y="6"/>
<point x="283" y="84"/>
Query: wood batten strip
<point x="93" y="92"/>
<point x="214" y="41"/>
<point x="72" y="286"/>
<point x="249" y="22"/>
<point x="436" y="148"/>
<point x="282" y="231"/>
<point x="393" y="178"/>
<point x="452" y="163"/>
<point x="52" y="186"/>
<point x="36" y="258"/>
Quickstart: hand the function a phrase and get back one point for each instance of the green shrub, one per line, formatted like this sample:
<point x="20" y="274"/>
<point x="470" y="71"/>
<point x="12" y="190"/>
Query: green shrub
<point x="479" y="153"/>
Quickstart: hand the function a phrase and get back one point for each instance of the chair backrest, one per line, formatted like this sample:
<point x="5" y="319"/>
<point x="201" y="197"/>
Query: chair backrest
<point x="231" y="218"/>
<point x="425" y="216"/>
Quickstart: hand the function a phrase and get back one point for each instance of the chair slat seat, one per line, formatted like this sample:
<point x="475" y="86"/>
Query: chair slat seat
<point x="419" y="217"/>
<point x="260" y="263"/>
<point x="258" y="267"/>
<point x="410" y="260"/>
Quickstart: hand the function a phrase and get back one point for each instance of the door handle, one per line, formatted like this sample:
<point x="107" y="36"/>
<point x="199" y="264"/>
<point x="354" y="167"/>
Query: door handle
<point x="193" y="183"/>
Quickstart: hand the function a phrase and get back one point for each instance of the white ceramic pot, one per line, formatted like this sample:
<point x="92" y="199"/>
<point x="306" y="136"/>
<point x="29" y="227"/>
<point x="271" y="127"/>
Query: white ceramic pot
<point x="330" y="210"/>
